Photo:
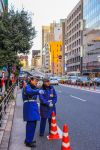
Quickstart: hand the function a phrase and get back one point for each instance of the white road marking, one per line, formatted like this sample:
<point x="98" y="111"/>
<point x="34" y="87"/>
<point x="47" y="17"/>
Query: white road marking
<point x="59" y="131"/>
<point x="78" y="98"/>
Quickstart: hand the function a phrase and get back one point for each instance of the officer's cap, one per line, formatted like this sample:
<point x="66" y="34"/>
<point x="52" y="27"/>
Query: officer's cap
<point x="46" y="80"/>
<point x="34" y="78"/>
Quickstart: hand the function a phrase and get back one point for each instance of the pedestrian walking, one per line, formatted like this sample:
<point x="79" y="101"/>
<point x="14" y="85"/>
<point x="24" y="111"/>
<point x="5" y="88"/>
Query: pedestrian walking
<point x="30" y="110"/>
<point x="47" y="105"/>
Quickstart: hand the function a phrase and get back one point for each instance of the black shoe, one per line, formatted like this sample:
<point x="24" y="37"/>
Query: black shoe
<point x="30" y="144"/>
<point x="34" y="142"/>
<point x="41" y="135"/>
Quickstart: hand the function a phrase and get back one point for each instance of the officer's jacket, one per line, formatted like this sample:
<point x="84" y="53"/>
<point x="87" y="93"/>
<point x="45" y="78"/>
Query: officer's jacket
<point x="49" y="94"/>
<point x="30" y="107"/>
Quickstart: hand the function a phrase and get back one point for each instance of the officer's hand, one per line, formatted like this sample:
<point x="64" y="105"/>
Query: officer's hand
<point x="50" y="104"/>
<point x="41" y="92"/>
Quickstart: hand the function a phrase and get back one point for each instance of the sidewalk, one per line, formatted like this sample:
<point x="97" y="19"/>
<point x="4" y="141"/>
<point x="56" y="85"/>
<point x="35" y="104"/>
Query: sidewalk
<point x="18" y="132"/>
<point x="18" y="128"/>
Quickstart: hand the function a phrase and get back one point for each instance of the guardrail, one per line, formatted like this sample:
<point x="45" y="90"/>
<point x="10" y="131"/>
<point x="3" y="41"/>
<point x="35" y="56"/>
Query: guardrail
<point x="5" y="102"/>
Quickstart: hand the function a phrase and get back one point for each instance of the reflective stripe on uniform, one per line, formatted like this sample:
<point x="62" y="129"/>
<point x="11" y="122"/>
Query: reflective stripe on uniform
<point x="29" y="101"/>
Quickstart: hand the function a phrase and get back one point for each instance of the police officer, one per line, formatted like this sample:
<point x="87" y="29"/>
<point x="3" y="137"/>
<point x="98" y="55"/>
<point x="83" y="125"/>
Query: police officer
<point x="30" y="110"/>
<point x="48" y="100"/>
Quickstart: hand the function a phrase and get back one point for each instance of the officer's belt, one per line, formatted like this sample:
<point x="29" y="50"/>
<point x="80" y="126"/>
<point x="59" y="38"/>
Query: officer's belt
<point x="29" y="101"/>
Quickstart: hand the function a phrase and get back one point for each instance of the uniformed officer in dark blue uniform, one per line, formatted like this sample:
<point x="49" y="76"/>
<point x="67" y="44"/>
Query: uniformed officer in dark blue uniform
<point x="48" y="100"/>
<point x="30" y="110"/>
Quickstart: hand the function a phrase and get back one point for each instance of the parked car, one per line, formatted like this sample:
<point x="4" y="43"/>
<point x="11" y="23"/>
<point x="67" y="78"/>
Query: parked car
<point x="84" y="80"/>
<point x="73" y="79"/>
<point x="97" y="81"/>
<point x="62" y="79"/>
<point x="54" y="81"/>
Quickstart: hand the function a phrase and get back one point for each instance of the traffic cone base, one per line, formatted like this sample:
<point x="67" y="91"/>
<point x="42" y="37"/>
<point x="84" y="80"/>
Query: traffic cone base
<point x="54" y="137"/>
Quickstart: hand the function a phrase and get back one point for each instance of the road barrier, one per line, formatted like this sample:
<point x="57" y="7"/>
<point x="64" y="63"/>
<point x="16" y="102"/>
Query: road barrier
<point x="94" y="87"/>
<point x="82" y="86"/>
<point x="5" y="102"/>
<point x="89" y="86"/>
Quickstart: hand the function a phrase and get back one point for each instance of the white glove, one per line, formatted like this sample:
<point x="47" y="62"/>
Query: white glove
<point x="50" y="104"/>
<point x="41" y="92"/>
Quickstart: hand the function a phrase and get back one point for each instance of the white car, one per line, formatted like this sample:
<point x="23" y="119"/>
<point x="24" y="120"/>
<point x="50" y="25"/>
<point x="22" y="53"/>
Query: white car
<point x="73" y="79"/>
<point x="54" y="81"/>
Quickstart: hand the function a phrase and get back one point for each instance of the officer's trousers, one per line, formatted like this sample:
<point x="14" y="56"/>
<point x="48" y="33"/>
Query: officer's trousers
<point x="43" y="125"/>
<point x="30" y="131"/>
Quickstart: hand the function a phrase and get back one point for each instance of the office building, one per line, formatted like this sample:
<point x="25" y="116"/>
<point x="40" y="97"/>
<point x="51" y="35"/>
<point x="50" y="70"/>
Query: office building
<point x="24" y="61"/>
<point x="36" y="59"/>
<point x="3" y="5"/>
<point x="91" y="38"/>
<point x="45" y="49"/>
<point x="73" y="39"/>
<point x="54" y="34"/>
<point x="56" y="57"/>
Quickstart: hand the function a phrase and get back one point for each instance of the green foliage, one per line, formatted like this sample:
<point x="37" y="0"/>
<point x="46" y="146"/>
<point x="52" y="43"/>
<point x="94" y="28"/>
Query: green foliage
<point x="16" y="35"/>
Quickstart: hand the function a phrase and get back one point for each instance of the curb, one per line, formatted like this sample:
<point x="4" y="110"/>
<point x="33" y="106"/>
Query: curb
<point x="7" y="131"/>
<point x="82" y="89"/>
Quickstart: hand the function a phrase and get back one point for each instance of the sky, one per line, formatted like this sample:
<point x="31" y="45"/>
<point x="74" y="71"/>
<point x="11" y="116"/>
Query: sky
<point x="44" y="12"/>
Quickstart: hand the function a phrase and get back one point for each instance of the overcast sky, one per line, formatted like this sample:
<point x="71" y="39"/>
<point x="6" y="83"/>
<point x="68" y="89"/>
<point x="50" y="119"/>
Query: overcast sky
<point x="45" y="11"/>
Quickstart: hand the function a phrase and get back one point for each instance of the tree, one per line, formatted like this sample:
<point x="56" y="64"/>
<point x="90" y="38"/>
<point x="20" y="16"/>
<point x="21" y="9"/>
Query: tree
<point x="16" y="35"/>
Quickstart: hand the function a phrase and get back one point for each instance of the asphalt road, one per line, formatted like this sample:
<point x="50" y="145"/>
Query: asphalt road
<point x="81" y="111"/>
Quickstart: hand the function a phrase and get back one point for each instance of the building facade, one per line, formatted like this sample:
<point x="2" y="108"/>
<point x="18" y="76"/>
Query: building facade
<point x="24" y="61"/>
<point x="45" y="49"/>
<point x="54" y="33"/>
<point x="73" y="38"/>
<point x="91" y="39"/>
<point x="56" y="57"/>
<point x="36" y="59"/>
<point x="3" y="5"/>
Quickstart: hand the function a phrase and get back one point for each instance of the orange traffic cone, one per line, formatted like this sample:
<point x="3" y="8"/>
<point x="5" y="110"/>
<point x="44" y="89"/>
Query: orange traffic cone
<point x="65" y="139"/>
<point x="53" y="131"/>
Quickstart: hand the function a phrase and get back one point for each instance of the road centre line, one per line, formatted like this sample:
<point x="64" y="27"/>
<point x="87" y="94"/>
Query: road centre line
<point x="83" y="100"/>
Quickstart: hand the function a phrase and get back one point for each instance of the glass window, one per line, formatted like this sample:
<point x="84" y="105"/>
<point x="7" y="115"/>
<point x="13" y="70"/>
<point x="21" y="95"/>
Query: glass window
<point x="1" y="9"/>
<point x="91" y="13"/>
